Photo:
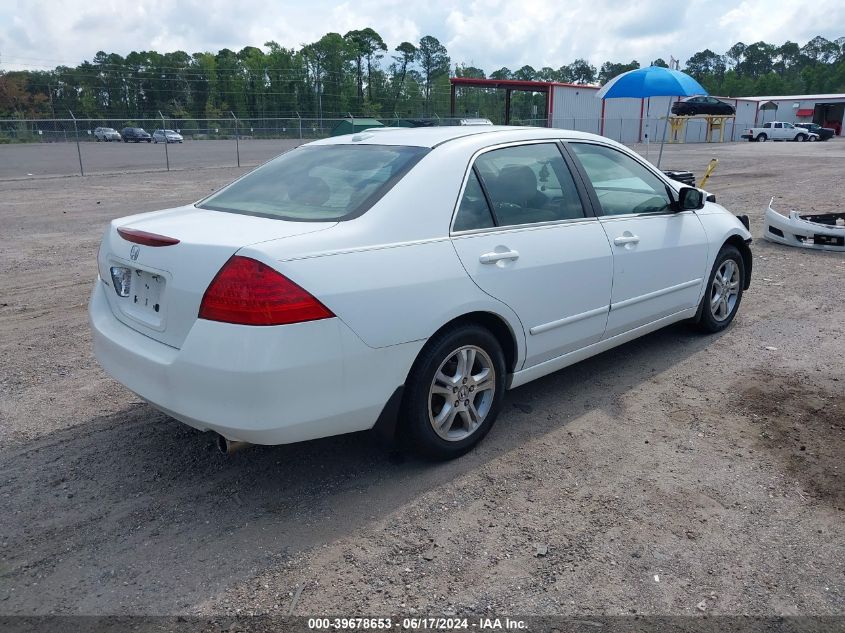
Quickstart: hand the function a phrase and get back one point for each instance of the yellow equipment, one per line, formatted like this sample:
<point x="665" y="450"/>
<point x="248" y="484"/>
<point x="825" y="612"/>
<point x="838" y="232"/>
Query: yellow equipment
<point x="711" y="166"/>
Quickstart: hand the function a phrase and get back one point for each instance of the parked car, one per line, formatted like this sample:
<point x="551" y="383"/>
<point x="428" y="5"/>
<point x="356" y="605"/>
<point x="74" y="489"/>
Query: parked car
<point x="106" y="134"/>
<point x="824" y="133"/>
<point x="690" y="106"/>
<point x="135" y="135"/>
<point x="167" y="136"/>
<point x="386" y="280"/>
<point x="778" y="131"/>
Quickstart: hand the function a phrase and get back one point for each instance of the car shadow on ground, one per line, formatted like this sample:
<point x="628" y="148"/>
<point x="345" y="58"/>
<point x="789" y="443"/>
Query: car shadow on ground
<point x="134" y="511"/>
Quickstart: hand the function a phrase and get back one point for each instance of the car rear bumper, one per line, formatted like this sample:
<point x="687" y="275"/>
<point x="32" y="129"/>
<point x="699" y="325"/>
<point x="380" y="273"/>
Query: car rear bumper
<point x="265" y="385"/>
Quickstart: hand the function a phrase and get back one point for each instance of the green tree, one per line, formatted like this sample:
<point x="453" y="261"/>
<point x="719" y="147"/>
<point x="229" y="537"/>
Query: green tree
<point x="434" y="62"/>
<point x="609" y="70"/>
<point x="407" y="55"/>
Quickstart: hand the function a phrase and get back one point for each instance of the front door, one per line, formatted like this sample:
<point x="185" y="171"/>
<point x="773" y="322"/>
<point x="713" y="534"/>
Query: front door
<point x="524" y="237"/>
<point x="659" y="255"/>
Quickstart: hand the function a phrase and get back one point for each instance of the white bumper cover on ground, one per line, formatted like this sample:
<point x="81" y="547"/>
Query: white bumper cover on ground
<point x="799" y="231"/>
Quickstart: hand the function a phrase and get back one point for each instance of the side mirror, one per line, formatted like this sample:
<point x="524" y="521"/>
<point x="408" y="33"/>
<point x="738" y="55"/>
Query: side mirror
<point x="690" y="199"/>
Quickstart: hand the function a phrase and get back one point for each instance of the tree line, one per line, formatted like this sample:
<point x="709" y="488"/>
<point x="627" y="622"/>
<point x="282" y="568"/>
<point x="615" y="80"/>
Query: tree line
<point x="357" y="74"/>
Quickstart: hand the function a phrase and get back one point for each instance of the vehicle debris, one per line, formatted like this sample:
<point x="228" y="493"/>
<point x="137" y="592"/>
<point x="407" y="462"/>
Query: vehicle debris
<point x="820" y="231"/>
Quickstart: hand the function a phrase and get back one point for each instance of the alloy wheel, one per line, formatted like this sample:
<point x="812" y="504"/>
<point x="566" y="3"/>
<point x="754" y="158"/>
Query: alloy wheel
<point x="724" y="290"/>
<point x="462" y="393"/>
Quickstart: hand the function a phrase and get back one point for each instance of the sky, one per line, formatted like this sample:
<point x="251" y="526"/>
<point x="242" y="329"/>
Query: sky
<point x="484" y="33"/>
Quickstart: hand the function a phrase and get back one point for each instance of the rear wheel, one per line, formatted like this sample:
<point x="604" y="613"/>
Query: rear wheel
<point x="762" y="138"/>
<point x="723" y="293"/>
<point x="454" y="392"/>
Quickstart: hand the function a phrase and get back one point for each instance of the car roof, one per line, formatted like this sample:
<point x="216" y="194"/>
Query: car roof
<point x="433" y="136"/>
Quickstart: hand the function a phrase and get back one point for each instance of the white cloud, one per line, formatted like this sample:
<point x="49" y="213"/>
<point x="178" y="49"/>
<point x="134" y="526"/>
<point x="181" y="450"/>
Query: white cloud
<point x="485" y="33"/>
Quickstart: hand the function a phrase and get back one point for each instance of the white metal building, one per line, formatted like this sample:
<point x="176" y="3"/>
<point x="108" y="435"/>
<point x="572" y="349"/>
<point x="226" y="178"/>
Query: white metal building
<point x="576" y="107"/>
<point x="827" y="110"/>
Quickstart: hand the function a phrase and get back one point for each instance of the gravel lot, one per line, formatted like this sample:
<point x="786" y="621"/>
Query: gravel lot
<point x="674" y="475"/>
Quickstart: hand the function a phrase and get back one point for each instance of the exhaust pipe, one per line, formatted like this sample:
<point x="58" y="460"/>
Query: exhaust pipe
<point x="227" y="446"/>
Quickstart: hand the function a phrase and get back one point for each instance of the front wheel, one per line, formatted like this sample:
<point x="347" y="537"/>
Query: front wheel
<point x="813" y="139"/>
<point x="723" y="293"/>
<point x="454" y="392"/>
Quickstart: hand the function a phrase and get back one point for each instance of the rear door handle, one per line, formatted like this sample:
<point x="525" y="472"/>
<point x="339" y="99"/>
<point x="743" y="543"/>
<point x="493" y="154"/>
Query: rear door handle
<point x="492" y="258"/>
<point x="626" y="239"/>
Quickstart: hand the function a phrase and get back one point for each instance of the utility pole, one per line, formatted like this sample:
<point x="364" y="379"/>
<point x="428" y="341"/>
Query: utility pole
<point x="78" y="151"/>
<point x="164" y="131"/>
<point x="237" y="138"/>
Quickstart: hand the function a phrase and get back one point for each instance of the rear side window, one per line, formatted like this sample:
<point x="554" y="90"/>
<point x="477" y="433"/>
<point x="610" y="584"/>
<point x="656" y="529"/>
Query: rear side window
<point x="321" y="183"/>
<point x="622" y="185"/>
<point x="529" y="184"/>
<point x="474" y="212"/>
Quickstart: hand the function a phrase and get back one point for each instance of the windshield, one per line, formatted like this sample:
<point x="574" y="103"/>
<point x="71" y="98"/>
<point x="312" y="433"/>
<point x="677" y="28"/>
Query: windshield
<point x="318" y="183"/>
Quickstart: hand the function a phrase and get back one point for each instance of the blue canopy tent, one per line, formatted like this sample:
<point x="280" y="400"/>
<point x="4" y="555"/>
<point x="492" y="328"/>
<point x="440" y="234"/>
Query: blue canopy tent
<point x="652" y="81"/>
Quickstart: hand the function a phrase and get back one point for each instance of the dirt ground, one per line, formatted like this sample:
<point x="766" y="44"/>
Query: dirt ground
<point x="677" y="474"/>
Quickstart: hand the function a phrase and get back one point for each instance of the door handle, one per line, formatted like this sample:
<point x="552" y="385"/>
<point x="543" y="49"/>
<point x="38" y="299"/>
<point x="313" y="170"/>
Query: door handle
<point x="626" y="239"/>
<point x="492" y="258"/>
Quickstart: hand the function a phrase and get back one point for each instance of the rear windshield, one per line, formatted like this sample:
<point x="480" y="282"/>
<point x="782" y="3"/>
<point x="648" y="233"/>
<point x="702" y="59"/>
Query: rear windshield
<point x="318" y="183"/>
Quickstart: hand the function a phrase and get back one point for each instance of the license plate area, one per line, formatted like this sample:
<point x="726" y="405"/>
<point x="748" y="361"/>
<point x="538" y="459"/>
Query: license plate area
<point x="144" y="302"/>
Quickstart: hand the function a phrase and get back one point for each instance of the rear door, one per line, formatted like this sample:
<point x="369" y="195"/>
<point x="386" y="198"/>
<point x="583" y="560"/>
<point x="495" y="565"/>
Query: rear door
<point x="524" y="235"/>
<point x="659" y="255"/>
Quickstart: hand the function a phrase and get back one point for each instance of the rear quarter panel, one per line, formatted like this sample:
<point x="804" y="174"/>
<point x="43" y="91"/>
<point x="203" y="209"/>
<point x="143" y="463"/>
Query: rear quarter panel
<point x="395" y="294"/>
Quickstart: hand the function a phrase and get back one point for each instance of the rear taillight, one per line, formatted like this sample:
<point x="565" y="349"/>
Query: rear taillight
<point x="247" y="292"/>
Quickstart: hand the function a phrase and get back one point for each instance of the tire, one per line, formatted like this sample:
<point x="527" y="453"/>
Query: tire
<point x="427" y="403"/>
<point x="729" y="264"/>
<point x="800" y="138"/>
<point x="813" y="139"/>
<point x="762" y="138"/>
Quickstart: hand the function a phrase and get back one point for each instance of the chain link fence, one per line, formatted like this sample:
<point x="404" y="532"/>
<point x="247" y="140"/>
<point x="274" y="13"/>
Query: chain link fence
<point x="61" y="147"/>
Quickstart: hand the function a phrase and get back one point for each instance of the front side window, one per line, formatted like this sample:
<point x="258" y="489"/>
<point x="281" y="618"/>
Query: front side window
<point x="622" y="185"/>
<point x="322" y="183"/>
<point x="527" y="184"/>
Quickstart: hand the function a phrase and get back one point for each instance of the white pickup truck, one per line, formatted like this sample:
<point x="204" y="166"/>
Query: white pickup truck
<point x="779" y="131"/>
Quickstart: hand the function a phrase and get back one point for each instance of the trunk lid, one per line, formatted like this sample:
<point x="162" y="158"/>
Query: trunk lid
<point x="166" y="284"/>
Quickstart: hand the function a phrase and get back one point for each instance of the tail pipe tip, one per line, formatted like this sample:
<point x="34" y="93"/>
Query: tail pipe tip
<point x="227" y="446"/>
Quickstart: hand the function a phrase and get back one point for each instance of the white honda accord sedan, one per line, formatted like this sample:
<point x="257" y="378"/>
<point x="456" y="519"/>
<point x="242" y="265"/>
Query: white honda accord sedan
<point x="403" y="279"/>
